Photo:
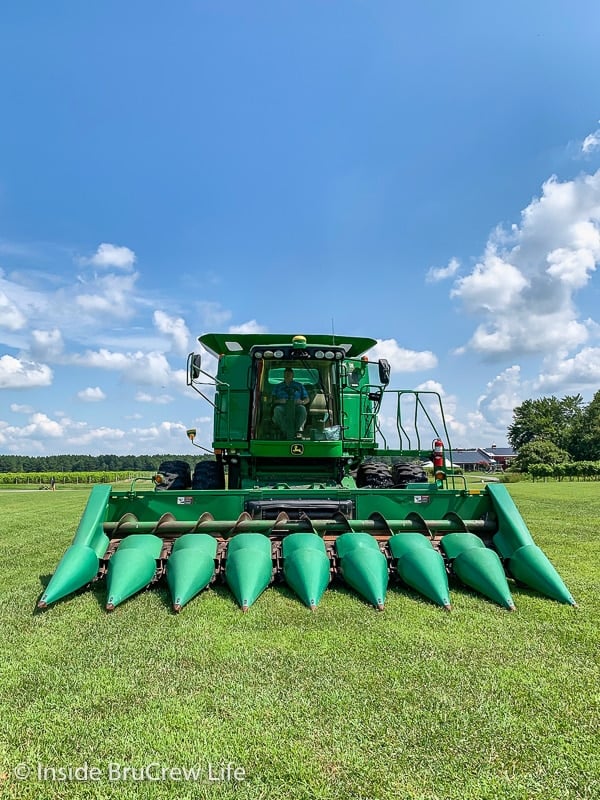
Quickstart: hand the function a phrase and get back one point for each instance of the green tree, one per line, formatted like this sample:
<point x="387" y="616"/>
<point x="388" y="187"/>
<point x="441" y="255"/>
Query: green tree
<point x="546" y="418"/>
<point x="584" y="444"/>
<point x="539" y="451"/>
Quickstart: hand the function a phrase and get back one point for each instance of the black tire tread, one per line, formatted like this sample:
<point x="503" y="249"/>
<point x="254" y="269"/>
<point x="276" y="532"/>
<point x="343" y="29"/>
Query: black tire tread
<point x="208" y="475"/>
<point x="374" y="475"/>
<point x="408" y="473"/>
<point x="176" y="475"/>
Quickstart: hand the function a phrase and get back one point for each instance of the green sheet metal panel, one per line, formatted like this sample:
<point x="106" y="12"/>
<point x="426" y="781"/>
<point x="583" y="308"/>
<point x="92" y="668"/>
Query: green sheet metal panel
<point x="306" y="566"/>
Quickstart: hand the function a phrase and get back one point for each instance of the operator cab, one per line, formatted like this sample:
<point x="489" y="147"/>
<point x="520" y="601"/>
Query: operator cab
<point x="308" y="406"/>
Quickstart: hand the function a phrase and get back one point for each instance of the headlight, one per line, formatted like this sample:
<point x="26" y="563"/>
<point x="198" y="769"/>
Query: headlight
<point x="257" y="355"/>
<point x="268" y="354"/>
<point x="319" y="354"/>
<point x="278" y="353"/>
<point x="329" y="354"/>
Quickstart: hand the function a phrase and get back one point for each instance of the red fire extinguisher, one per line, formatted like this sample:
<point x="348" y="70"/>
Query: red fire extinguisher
<point x="438" y="454"/>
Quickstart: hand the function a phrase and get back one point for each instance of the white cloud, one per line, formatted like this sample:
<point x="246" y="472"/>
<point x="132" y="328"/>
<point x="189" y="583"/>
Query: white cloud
<point x="175" y="328"/>
<point x="112" y="296"/>
<point x="144" y="368"/>
<point x="39" y="426"/>
<point x="583" y="369"/>
<point x="524" y="286"/>
<point x="68" y="432"/>
<point x="112" y="255"/>
<point x="252" y="326"/>
<point x="401" y="359"/>
<point x="441" y="273"/>
<point x="102" y="435"/>
<point x="493" y="286"/>
<point x="18" y="408"/>
<point x="104" y="359"/>
<point x="530" y="333"/>
<point x="591" y="142"/>
<point x="162" y="431"/>
<point x="160" y="399"/>
<point x="212" y="315"/>
<point x="16" y="373"/>
<point x="10" y="316"/>
<point x="93" y="394"/>
<point x="502" y="394"/>
<point x="46" y="344"/>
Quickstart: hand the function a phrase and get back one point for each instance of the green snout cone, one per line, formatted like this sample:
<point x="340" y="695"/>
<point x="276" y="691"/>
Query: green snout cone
<point x="132" y="567"/>
<point x="478" y="567"/>
<point x="363" y="566"/>
<point x="306" y="566"/>
<point x="531" y="566"/>
<point x="77" y="567"/>
<point x="190" y="567"/>
<point x="421" y="567"/>
<point x="249" y="567"/>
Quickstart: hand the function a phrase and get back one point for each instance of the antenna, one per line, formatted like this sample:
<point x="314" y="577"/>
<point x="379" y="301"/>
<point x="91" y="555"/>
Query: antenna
<point x="332" y="331"/>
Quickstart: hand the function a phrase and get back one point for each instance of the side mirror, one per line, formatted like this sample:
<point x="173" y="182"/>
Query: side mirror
<point x="384" y="371"/>
<point x="196" y="366"/>
<point x="191" y="434"/>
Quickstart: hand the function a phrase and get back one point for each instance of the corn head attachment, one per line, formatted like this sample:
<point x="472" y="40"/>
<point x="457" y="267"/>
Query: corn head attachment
<point x="305" y="489"/>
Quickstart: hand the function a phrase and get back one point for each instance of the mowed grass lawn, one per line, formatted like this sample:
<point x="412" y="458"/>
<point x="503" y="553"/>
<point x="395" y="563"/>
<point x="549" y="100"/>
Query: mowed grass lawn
<point x="345" y="702"/>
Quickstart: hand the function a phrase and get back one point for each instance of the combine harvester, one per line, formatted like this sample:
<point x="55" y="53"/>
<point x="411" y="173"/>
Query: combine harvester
<point x="303" y="488"/>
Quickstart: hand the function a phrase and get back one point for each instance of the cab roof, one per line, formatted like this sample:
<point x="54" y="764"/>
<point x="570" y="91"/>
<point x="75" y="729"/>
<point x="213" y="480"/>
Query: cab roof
<point x="241" y="343"/>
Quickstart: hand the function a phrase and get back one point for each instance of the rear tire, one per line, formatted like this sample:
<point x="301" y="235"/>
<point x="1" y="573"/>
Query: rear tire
<point x="175" y="475"/>
<point x="375" y="475"/>
<point x="208" y="475"/>
<point x="407" y="473"/>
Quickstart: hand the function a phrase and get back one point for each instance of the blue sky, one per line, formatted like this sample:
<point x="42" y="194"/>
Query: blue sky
<point x="427" y="174"/>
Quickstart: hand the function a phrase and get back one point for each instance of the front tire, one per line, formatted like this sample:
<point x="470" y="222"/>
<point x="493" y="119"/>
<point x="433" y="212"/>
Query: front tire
<point x="374" y="475"/>
<point x="174" y="475"/>
<point x="407" y="473"/>
<point x="208" y="475"/>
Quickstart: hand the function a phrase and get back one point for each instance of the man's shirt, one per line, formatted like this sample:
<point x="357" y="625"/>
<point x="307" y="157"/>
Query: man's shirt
<point x="291" y="391"/>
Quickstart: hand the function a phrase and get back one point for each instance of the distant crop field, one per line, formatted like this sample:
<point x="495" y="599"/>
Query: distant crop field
<point x="43" y="479"/>
<point x="412" y="703"/>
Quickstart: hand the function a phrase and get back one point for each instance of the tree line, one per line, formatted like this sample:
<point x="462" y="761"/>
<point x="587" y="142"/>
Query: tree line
<point x="79" y="463"/>
<point x="552" y="431"/>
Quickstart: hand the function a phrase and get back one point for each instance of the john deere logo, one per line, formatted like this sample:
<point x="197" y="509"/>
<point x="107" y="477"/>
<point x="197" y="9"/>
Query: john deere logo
<point x="297" y="449"/>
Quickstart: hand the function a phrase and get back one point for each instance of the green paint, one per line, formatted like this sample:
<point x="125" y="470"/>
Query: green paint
<point x="190" y="567"/>
<point x="132" y="567"/>
<point x="478" y="567"/>
<point x="80" y="563"/>
<point x="77" y="567"/>
<point x="531" y="566"/>
<point x="249" y="567"/>
<point x="306" y="566"/>
<point x="421" y="567"/>
<point x="363" y="566"/>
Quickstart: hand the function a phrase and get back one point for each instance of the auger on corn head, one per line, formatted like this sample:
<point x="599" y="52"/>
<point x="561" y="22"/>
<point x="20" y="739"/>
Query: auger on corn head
<point x="303" y="488"/>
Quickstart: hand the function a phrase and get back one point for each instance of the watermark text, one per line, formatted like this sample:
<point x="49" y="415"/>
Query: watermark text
<point x="115" y="772"/>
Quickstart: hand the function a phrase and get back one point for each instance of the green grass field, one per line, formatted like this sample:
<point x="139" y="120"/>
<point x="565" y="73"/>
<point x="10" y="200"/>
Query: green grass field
<point x="341" y="703"/>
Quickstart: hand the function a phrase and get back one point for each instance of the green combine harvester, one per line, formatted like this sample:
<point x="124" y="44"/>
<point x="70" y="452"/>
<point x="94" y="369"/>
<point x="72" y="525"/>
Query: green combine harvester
<point x="303" y="488"/>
